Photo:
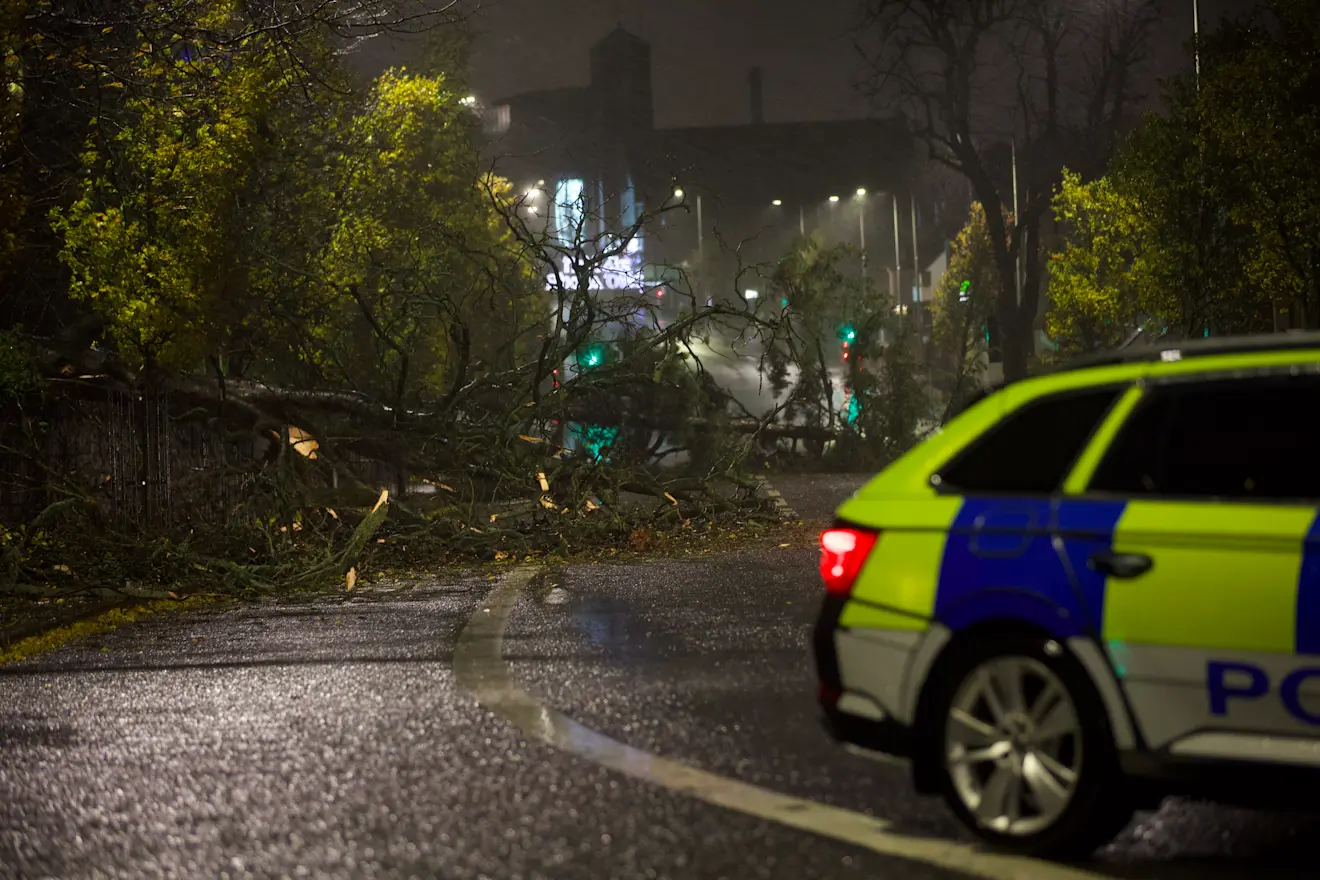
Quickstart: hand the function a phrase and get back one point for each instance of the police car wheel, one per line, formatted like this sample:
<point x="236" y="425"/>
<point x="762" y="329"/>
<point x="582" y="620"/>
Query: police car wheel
<point x="1025" y="755"/>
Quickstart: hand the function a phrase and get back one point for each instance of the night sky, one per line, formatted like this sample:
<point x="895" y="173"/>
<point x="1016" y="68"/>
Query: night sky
<point x="702" y="50"/>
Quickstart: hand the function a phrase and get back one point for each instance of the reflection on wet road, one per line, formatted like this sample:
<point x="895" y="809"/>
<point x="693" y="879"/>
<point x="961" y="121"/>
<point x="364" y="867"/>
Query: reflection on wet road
<point x="651" y="720"/>
<point x="725" y="688"/>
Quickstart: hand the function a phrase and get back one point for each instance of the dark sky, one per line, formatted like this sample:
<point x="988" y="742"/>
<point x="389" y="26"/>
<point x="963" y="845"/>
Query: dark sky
<point x="702" y="50"/>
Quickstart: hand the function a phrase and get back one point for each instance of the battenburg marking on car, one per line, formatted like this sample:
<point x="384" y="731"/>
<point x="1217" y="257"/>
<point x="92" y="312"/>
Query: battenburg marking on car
<point x="1027" y="560"/>
<point x="1101" y="577"/>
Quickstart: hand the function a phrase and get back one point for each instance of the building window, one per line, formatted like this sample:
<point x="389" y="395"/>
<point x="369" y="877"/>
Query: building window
<point x="496" y="120"/>
<point x="570" y="210"/>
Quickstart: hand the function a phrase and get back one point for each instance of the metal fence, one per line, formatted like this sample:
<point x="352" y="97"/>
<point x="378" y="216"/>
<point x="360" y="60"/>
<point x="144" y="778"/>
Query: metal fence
<point x="130" y="451"/>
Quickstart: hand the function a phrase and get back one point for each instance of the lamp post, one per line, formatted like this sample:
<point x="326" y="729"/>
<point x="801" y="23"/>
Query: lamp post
<point x="898" y="263"/>
<point x="861" y="231"/>
<point x="916" y="254"/>
<point x="1196" y="40"/>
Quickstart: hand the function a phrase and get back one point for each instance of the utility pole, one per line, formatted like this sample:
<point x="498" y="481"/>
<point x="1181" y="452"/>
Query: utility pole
<point x="898" y="264"/>
<point x="802" y="221"/>
<point x="701" y="231"/>
<point x="1196" y="40"/>
<point x="916" y="254"/>
<point x="861" y="234"/>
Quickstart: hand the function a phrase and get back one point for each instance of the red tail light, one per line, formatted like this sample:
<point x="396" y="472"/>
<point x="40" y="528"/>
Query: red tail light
<point x="842" y="552"/>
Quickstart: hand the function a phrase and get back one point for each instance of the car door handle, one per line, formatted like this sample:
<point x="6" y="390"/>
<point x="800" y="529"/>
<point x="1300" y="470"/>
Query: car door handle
<point x="1121" y="565"/>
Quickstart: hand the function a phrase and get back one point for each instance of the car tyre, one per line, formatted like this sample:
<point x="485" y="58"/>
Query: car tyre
<point x="1030" y="767"/>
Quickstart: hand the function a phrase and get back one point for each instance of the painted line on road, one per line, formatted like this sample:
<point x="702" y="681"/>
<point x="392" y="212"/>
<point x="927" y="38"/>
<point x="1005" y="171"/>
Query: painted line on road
<point x="782" y="507"/>
<point x="480" y="668"/>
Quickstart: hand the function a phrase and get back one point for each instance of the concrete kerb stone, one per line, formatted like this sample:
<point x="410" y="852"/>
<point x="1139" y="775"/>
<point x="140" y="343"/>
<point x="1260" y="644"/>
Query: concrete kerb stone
<point x="770" y="493"/>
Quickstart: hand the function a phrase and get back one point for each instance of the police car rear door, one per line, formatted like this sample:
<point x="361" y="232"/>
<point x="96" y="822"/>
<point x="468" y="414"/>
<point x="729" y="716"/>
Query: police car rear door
<point x="1212" y="585"/>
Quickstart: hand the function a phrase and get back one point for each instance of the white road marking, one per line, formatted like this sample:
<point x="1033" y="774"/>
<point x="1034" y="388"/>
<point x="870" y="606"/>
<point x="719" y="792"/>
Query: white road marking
<point x="480" y="668"/>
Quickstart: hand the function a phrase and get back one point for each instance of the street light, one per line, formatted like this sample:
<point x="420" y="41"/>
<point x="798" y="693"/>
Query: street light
<point x="678" y="192"/>
<point x="834" y="198"/>
<point x="777" y="202"/>
<point x="861" y="231"/>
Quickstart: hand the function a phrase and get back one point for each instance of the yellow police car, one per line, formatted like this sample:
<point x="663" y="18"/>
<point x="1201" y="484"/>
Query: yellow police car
<point x="1093" y="588"/>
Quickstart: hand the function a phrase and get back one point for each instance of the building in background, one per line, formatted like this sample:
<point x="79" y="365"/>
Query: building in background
<point x="594" y="162"/>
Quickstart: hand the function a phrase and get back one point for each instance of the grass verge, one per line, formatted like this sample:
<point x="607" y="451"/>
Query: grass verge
<point x="106" y="621"/>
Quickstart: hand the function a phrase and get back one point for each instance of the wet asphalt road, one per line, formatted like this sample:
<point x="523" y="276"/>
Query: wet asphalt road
<point x="336" y="740"/>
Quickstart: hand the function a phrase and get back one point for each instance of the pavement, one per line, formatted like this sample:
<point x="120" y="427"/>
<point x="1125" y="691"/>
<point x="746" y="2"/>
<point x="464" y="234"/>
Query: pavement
<point x="652" y="720"/>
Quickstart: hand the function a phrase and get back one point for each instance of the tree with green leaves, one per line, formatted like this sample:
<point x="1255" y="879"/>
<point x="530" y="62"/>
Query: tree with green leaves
<point x="818" y="298"/>
<point x="419" y="277"/>
<point x="889" y="402"/>
<point x="1260" y="117"/>
<point x="963" y="308"/>
<point x="12" y="202"/>
<point x="1209" y="216"/>
<point x="982" y="82"/>
<point x="1099" y="291"/>
<point x="833" y="325"/>
<point x="154" y="242"/>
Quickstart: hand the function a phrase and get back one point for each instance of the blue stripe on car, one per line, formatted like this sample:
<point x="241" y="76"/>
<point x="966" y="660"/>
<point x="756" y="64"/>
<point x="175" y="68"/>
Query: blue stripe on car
<point x="1086" y="528"/>
<point x="1000" y="563"/>
<point x="1308" y="593"/>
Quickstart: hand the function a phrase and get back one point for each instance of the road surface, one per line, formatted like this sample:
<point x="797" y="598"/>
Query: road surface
<point x="652" y="720"/>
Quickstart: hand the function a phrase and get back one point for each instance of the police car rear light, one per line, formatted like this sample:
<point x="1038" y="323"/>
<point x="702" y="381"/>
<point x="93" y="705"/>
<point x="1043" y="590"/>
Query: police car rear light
<point x="842" y="553"/>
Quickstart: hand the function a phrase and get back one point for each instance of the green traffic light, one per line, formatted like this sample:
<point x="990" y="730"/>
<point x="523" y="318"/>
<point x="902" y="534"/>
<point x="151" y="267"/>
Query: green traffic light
<point x="591" y="356"/>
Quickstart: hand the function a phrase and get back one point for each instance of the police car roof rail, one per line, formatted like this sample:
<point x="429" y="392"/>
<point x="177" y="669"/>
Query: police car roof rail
<point x="1185" y="349"/>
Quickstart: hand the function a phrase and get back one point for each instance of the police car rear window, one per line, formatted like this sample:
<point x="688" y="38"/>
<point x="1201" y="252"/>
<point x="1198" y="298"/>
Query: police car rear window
<point x="1033" y="449"/>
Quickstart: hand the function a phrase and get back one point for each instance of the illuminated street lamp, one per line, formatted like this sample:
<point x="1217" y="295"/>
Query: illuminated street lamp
<point x="861" y="190"/>
<point x="777" y="202"/>
<point x="834" y="198"/>
<point x="678" y="193"/>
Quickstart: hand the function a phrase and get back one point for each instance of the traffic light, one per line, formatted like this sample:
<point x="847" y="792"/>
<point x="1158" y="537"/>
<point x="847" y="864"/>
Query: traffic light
<point x="964" y="292"/>
<point x="591" y="356"/>
<point x="847" y="333"/>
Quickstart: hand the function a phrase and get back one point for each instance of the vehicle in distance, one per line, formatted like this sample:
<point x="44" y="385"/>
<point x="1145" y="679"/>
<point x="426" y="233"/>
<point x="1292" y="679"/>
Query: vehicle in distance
<point x="1092" y="589"/>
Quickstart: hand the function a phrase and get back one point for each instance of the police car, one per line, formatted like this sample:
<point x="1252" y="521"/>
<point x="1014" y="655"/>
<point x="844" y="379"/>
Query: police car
<point x="1092" y="589"/>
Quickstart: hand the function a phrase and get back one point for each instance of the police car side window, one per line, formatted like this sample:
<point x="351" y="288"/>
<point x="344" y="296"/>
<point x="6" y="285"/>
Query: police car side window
<point x="1238" y="439"/>
<point x="1032" y="450"/>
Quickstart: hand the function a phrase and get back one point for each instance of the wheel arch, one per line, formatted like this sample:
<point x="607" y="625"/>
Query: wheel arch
<point x="1083" y="650"/>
